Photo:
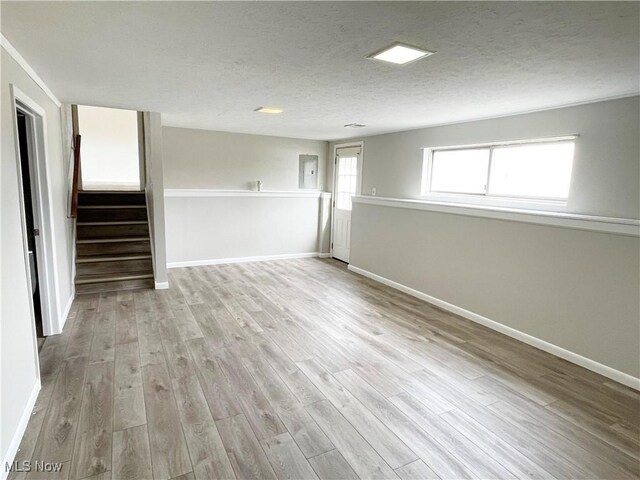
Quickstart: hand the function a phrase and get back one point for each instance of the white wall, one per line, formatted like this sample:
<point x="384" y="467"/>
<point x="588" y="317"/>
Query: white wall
<point x="211" y="215"/>
<point x="234" y="161"/>
<point x="18" y="366"/>
<point x="575" y="289"/>
<point x="204" y="229"/>
<point x="109" y="148"/>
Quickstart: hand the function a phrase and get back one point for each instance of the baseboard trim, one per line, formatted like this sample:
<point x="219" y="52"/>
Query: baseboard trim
<point x="162" y="285"/>
<point x="19" y="433"/>
<point x="572" y="357"/>
<point x="65" y="314"/>
<point x="324" y="255"/>
<point x="260" y="258"/>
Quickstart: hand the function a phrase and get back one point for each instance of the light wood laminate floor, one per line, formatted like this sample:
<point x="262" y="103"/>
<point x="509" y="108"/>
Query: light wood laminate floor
<point x="301" y="369"/>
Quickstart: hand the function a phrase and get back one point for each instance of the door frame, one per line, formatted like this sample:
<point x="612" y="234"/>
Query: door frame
<point x="43" y="210"/>
<point x="337" y="146"/>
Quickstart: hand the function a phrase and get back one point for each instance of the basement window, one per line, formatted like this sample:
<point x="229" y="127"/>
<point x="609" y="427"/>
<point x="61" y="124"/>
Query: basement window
<point x="533" y="170"/>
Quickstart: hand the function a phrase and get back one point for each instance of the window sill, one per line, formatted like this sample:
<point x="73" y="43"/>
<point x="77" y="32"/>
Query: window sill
<point x="197" y="192"/>
<point x="619" y="226"/>
<point x="487" y="201"/>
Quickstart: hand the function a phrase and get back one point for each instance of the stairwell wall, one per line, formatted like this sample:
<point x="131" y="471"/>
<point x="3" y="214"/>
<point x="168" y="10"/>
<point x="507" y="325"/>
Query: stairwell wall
<point x="154" y="189"/>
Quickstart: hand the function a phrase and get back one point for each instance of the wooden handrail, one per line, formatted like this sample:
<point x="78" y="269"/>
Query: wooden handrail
<point x="76" y="176"/>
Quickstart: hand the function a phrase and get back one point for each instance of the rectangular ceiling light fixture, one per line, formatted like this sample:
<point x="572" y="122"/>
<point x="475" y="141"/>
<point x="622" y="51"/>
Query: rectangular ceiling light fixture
<point x="268" y="110"/>
<point x="400" y="53"/>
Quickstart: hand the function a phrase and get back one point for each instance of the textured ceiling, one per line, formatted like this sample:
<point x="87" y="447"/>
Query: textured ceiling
<point x="210" y="64"/>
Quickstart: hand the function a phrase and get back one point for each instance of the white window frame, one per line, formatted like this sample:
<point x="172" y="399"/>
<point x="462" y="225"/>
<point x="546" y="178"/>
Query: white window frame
<point x="541" y="203"/>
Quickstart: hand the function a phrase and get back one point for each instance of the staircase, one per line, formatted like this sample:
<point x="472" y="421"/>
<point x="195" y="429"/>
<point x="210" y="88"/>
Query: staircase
<point x="113" y="250"/>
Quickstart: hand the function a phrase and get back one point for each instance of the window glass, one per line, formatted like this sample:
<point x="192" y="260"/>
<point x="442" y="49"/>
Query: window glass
<point x="460" y="171"/>
<point x="535" y="170"/>
<point x="347" y="181"/>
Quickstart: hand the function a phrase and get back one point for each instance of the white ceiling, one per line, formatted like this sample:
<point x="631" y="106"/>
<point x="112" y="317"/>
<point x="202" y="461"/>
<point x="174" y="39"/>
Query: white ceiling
<point x="210" y="64"/>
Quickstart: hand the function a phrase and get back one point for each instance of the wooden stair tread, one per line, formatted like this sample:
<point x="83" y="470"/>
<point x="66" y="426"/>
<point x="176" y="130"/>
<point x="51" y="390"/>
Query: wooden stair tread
<point x="105" y="207"/>
<point x="109" y="192"/>
<point x="123" y="285"/>
<point x="85" y="279"/>
<point x="111" y="258"/>
<point x="111" y="222"/>
<point x="113" y="239"/>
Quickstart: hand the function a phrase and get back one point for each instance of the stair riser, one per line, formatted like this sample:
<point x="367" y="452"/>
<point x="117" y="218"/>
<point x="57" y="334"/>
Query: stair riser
<point x="113" y="248"/>
<point x="112" y="231"/>
<point x="115" y="286"/>
<point x="111" y="214"/>
<point x="111" y="198"/>
<point x="119" y="267"/>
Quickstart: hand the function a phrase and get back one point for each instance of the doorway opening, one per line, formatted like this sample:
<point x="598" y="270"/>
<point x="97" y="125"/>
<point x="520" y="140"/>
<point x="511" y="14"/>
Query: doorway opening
<point x="31" y="217"/>
<point x="110" y="158"/>
<point x="36" y="215"/>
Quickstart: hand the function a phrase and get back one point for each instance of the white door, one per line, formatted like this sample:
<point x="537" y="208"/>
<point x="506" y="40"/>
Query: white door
<point x="347" y="176"/>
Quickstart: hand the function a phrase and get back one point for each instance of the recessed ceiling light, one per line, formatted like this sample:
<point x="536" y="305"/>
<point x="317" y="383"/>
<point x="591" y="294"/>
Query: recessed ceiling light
<point x="354" y="125"/>
<point x="400" y="54"/>
<point x="268" y="110"/>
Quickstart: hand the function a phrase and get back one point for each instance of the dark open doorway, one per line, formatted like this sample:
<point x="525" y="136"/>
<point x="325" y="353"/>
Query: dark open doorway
<point x="25" y="133"/>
